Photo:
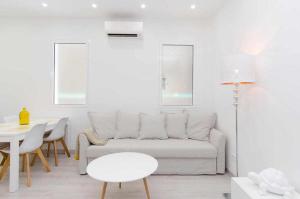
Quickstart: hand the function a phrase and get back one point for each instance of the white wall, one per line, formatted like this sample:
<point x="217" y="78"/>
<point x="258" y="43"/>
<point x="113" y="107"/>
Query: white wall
<point x="123" y="73"/>
<point x="269" y="111"/>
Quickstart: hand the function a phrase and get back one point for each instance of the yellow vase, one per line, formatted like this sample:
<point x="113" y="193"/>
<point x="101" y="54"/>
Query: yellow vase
<point x="24" y="117"/>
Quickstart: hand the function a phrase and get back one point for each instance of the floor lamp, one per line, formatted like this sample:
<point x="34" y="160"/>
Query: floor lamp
<point x="238" y="70"/>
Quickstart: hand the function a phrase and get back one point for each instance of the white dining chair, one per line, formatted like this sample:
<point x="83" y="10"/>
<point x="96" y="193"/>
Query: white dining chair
<point x="31" y="144"/>
<point x="3" y="145"/>
<point x="55" y="136"/>
<point x="10" y="118"/>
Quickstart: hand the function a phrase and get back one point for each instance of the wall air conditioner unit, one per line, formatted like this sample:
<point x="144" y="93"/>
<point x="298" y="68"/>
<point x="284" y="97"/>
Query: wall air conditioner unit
<point x="123" y="28"/>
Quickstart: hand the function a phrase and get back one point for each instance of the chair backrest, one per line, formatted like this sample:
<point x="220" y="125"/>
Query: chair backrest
<point x="33" y="139"/>
<point x="59" y="129"/>
<point x="11" y="118"/>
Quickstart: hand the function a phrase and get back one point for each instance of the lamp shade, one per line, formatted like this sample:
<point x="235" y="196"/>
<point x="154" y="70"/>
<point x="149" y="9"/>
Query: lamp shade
<point x="238" y="68"/>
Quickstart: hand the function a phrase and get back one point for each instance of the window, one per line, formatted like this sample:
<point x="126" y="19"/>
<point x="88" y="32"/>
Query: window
<point x="177" y="75"/>
<point x="70" y="73"/>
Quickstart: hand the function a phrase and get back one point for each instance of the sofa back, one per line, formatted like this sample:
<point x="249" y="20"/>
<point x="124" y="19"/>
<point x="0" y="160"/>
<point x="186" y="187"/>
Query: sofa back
<point x="191" y="124"/>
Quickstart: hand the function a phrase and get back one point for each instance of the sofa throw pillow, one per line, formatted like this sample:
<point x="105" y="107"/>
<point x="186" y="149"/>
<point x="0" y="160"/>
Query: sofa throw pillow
<point x="127" y="125"/>
<point x="153" y="127"/>
<point x="199" y="124"/>
<point x="104" y="124"/>
<point x="176" y="125"/>
<point x="93" y="137"/>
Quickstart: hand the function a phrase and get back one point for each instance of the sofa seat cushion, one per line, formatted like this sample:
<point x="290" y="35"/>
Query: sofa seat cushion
<point x="169" y="148"/>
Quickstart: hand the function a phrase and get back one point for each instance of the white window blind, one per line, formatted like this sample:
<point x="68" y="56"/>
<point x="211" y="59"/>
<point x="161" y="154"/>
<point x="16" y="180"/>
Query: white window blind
<point x="71" y="60"/>
<point x="177" y="75"/>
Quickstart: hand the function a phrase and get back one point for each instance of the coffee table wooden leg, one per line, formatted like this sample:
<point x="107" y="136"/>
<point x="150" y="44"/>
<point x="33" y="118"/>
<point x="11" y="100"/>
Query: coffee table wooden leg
<point x="103" y="190"/>
<point x="146" y="188"/>
<point x="120" y="185"/>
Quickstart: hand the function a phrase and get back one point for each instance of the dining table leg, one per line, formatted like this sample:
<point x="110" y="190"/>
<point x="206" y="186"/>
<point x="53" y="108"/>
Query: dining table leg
<point x="14" y="165"/>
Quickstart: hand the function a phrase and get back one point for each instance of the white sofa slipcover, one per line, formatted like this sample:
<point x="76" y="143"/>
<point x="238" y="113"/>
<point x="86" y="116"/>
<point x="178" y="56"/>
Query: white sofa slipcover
<point x="175" y="156"/>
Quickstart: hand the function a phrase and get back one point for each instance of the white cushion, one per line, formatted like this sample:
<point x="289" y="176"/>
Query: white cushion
<point x="176" y="125"/>
<point x="153" y="127"/>
<point x="127" y="125"/>
<point x="199" y="124"/>
<point x="104" y="124"/>
<point x="168" y="148"/>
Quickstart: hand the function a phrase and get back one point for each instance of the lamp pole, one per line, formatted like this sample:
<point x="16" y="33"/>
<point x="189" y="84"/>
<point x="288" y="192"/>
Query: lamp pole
<point x="237" y="78"/>
<point x="235" y="104"/>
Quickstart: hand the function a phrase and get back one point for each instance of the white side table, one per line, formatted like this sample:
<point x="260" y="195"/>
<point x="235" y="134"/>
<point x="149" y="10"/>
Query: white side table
<point x="122" y="167"/>
<point x="244" y="188"/>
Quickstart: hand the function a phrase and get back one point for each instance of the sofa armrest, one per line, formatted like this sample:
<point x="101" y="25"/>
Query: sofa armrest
<point x="218" y="140"/>
<point x="83" y="145"/>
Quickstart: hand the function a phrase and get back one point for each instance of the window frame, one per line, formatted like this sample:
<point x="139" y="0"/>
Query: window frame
<point x="53" y="43"/>
<point x="163" y="106"/>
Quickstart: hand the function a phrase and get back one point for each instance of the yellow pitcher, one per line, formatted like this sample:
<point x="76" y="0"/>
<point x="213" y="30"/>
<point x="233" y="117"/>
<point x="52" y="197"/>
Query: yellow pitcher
<point x="24" y="117"/>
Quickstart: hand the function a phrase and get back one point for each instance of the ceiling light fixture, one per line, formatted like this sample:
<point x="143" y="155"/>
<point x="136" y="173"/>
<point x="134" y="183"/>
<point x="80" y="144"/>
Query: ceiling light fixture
<point x="44" y="5"/>
<point x="143" y="6"/>
<point x="193" y="6"/>
<point x="94" y="5"/>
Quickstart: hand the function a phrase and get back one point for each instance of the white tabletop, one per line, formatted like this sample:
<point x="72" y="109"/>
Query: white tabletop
<point x="122" y="167"/>
<point x="14" y="128"/>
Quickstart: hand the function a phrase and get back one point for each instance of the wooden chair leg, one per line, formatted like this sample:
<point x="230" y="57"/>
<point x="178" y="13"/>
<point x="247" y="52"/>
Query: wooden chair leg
<point x="55" y="153"/>
<point x="48" y="151"/>
<point x="2" y="161"/>
<point x="29" y="182"/>
<point x="23" y="162"/>
<point x="4" y="168"/>
<point x="33" y="159"/>
<point x="44" y="161"/>
<point x="4" y="156"/>
<point x="65" y="147"/>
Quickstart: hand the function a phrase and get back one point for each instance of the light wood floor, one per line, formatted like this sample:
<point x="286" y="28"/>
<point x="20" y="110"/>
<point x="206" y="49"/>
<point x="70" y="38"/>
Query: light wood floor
<point x="64" y="182"/>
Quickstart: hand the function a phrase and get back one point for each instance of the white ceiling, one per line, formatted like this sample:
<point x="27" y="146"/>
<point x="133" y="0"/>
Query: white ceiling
<point x="111" y="8"/>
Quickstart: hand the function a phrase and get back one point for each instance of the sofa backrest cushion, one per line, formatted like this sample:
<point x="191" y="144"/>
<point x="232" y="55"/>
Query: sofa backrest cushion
<point x="104" y="124"/>
<point x="176" y="125"/>
<point x="128" y="125"/>
<point x="153" y="127"/>
<point x="199" y="124"/>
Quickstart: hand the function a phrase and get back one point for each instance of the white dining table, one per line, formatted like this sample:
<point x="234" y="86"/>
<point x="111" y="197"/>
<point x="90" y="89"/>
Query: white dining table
<point x="13" y="133"/>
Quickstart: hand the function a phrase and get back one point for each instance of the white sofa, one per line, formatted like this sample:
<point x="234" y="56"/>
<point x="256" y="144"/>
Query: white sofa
<point x="175" y="156"/>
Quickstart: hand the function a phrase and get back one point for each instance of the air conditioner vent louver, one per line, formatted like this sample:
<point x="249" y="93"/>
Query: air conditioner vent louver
<point x="122" y="35"/>
<point x="123" y="29"/>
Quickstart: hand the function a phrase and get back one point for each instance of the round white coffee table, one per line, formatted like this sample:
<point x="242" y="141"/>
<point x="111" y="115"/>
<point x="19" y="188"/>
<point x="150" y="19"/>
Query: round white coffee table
<point x="122" y="167"/>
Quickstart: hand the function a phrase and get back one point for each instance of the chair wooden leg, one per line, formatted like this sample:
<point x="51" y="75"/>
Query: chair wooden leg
<point x="48" y="151"/>
<point x="4" y="156"/>
<point x="2" y="161"/>
<point x="23" y="162"/>
<point x="4" y="168"/>
<point x="65" y="147"/>
<point x="44" y="161"/>
<point x="33" y="159"/>
<point x="29" y="182"/>
<point x="55" y="153"/>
